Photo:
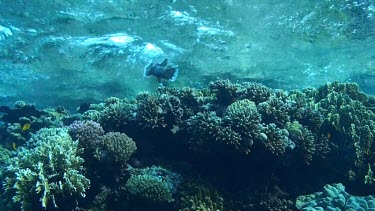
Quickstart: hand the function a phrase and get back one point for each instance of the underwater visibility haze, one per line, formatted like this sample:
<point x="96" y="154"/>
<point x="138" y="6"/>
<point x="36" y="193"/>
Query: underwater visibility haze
<point x="188" y="105"/>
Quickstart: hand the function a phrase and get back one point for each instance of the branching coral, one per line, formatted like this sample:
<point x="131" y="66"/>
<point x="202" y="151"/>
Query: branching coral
<point x="349" y="89"/>
<point x="255" y="92"/>
<point x="180" y="104"/>
<point x="87" y="133"/>
<point x="149" y="111"/>
<point x="277" y="141"/>
<point x="304" y="110"/>
<point x="92" y="115"/>
<point x="4" y="156"/>
<point x="194" y="100"/>
<point x="226" y="92"/>
<point x="199" y="197"/>
<point x="243" y="118"/>
<point x="172" y="109"/>
<point x="48" y="169"/>
<point x="116" y="114"/>
<point x="274" y="111"/>
<point x="204" y="129"/>
<point x="304" y="140"/>
<point x="354" y="123"/>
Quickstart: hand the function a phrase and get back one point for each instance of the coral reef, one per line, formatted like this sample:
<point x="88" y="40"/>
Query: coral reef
<point x="255" y="92"/>
<point x="334" y="197"/>
<point x="149" y="111"/>
<point x="350" y="121"/>
<point x="225" y="92"/>
<point x="207" y="126"/>
<point x="243" y="118"/>
<point x="21" y="109"/>
<point x="277" y="140"/>
<point x="304" y="140"/>
<point x="87" y="133"/>
<point x="45" y="172"/>
<point x="4" y="156"/>
<point x="274" y="110"/>
<point x="238" y="128"/>
<point x="349" y="89"/>
<point x="115" y="115"/>
<point x="199" y="197"/>
<point x="115" y="147"/>
<point x="158" y="110"/>
<point x="256" y="147"/>
<point x="154" y="184"/>
<point x="24" y="119"/>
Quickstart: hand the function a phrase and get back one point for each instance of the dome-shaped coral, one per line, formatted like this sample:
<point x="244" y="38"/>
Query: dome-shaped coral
<point x="116" y="147"/>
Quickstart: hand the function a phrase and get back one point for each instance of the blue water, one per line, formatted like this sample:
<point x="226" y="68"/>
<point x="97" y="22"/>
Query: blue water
<point x="99" y="48"/>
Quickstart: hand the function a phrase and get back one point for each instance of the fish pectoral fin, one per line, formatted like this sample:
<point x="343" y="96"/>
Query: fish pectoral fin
<point x="164" y="63"/>
<point x="170" y="73"/>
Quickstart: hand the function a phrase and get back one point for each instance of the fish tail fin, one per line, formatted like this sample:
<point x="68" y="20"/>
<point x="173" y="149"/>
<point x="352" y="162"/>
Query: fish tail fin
<point x="175" y="74"/>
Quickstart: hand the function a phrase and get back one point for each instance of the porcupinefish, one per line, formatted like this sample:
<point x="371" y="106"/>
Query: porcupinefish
<point x="161" y="70"/>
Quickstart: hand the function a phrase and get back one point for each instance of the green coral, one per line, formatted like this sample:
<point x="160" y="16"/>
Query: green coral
<point x="208" y="134"/>
<point x="226" y="93"/>
<point x="197" y="197"/>
<point x="193" y="99"/>
<point x="5" y="155"/>
<point x="48" y="168"/>
<point x="116" y="114"/>
<point x="92" y="115"/>
<point x="238" y="129"/>
<point x="274" y="110"/>
<point x="353" y="122"/>
<point x="255" y="92"/>
<point x="149" y="111"/>
<point x="183" y="103"/>
<point x="154" y="184"/>
<point x="171" y="109"/>
<point x="304" y="110"/>
<point x="304" y="140"/>
<point x="149" y="188"/>
<point x="159" y="110"/>
<point x="116" y="147"/>
<point x="277" y="140"/>
<point x="243" y="118"/>
<point x="207" y="126"/>
<point x="349" y="89"/>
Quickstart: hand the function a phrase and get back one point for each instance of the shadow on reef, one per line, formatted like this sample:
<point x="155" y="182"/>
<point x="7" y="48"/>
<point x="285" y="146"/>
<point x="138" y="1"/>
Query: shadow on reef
<point x="228" y="147"/>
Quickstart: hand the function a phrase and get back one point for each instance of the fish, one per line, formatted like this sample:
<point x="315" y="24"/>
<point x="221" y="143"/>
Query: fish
<point x="161" y="70"/>
<point x="26" y="127"/>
